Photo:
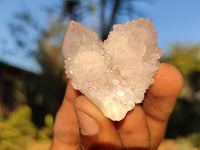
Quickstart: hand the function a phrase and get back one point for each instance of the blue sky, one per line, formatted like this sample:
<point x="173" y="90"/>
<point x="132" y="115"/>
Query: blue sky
<point x="176" y="21"/>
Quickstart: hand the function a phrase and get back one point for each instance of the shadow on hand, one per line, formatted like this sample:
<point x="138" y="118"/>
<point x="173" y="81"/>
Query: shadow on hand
<point x="113" y="147"/>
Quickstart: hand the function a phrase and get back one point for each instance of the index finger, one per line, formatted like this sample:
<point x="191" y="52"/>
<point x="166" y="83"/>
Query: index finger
<point x="66" y="131"/>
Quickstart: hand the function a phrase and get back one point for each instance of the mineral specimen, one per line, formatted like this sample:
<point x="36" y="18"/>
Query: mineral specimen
<point x="116" y="73"/>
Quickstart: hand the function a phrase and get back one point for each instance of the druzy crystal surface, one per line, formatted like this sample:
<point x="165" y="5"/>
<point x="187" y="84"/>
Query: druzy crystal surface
<point x="116" y="73"/>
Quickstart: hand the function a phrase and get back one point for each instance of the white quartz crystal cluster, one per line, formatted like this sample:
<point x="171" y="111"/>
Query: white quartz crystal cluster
<point x="116" y="73"/>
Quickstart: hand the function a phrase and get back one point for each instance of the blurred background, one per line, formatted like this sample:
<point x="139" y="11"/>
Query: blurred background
<point x="32" y="79"/>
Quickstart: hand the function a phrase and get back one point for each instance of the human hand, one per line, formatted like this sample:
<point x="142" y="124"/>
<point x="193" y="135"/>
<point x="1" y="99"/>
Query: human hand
<point x="143" y="128"/>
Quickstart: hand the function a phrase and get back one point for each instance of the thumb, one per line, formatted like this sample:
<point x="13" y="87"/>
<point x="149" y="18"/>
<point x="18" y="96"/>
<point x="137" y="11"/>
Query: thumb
<point x="96" y="131"/>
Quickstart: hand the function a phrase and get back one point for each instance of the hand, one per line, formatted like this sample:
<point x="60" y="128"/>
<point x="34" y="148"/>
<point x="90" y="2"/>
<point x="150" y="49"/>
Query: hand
<point x="143" y="127"/>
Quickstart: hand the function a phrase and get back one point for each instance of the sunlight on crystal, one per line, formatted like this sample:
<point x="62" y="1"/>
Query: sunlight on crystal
<point x="116" y="73"/>
<point x="120" y="93"/>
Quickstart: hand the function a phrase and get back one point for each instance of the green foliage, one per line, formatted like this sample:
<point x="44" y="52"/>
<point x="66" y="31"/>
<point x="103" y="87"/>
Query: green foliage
<point x="192" y="140"/>
<point x="17" y="131"/>
<point x="184" y="122"/>
<point x="186" y="58"/>
<point x="195" y="139"/>
<point x="49" y="121"/>
<point x="184" y="143"/>
<point x="19" y="91"/>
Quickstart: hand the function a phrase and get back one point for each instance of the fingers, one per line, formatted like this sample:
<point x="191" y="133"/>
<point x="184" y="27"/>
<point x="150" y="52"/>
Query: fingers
<point x="161" y="96"/>
<point x="143" y="124"/>
<point x="133" y="130"/>
<point x="66" y="132"/>
<point x="97" y="131"/>
<point x="71" y="94"/>
<point x="160" y="100"/>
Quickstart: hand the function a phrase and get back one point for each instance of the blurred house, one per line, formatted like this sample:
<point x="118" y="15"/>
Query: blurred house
<point x="10" y="78"/>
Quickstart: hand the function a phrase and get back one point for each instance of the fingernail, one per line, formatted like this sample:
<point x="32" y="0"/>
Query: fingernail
<point x="87" y="125"/>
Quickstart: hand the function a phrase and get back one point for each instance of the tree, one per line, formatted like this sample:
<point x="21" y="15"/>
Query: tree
<point x="185" y="57"/>
<point x="111" y="12"/>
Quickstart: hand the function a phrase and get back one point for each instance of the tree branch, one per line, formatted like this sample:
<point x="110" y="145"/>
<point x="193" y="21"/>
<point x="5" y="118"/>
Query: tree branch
<point x="115" y="9"/>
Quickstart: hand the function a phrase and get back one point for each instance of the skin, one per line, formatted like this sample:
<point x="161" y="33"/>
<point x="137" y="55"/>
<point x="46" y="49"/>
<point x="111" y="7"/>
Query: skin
<point x="143" y="128"/>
